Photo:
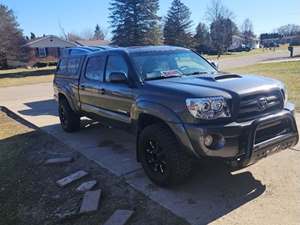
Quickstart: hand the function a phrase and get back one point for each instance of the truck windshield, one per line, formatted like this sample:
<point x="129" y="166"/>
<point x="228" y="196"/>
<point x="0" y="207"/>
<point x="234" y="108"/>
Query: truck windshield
<point x="166" y="64"/>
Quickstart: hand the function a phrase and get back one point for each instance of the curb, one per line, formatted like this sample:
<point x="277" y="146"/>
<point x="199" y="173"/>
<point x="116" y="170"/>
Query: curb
<point x="18" y="118"/>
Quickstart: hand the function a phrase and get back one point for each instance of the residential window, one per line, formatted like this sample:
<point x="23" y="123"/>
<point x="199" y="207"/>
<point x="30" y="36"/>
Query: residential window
<point x="42" y="52"/>
<point x="95" y="68"/>
<point x="115" y="63"/>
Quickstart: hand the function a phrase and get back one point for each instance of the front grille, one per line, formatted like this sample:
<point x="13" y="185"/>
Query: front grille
<point x="270" y="130"/>
<point x="255" y="105"/>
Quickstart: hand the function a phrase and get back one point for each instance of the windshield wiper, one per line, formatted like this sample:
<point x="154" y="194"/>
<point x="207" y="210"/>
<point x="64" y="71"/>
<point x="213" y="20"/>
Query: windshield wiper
<point x="161" y="77"/>
<point x="195" y="73"/>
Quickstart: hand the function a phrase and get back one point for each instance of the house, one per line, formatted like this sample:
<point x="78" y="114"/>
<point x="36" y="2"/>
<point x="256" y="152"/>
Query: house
<point x="47" y="48"/>
<point x="239" y="41"/>
<point x="50" y="47"/>
<point x="92" y="43"/>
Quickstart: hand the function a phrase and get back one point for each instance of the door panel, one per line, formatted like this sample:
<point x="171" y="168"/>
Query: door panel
<point x="117" y="98"/>
<point x="91" y="82"/>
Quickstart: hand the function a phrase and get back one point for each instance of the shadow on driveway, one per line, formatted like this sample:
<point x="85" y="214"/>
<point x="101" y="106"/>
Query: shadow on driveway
<point x="212" y="192"/>
<point x="40" y="108"/>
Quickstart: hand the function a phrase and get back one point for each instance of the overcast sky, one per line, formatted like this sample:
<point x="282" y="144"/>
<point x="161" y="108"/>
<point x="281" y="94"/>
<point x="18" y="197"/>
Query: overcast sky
<point x="44" y="17"/>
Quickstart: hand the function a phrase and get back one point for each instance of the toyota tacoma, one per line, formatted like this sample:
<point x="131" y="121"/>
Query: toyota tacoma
<point x="178" y="106"/>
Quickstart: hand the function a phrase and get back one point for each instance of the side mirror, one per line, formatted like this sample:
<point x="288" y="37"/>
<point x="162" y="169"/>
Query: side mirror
<point x="117" y="77"/>
<point x="214" y="64"/>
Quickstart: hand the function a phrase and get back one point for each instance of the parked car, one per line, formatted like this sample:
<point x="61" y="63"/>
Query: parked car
<point x="240" y="49"/>
<point x="178" y="106"/>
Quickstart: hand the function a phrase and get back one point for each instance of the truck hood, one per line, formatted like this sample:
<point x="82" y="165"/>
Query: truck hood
<point x="233" y="84"/>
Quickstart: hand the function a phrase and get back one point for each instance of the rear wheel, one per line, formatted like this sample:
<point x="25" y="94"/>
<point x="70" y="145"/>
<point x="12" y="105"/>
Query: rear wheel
<point x="161" y="156"/>
<point x="69" y="120"/>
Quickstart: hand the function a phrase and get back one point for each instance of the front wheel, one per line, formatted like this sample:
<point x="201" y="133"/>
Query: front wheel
<point x="161" y="156"/>
<point x="69" y="120"/>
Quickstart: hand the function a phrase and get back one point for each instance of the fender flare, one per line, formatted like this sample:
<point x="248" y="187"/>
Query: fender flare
<point x="66" y="93"/>
<point x="168" y="116"/>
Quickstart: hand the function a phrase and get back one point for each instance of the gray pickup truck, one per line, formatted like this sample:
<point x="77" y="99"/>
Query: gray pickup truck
<point x="178" y="105"/>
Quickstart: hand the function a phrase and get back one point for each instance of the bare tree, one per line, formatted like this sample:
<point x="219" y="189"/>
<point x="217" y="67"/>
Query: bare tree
<point x="73" y="37"/>
<point x="222" y="27"/>
<point x="289" y="30"/>
<point x="63" y="34"/>
<point x="87" y="34"/>
<point x="216" y="10"/>
<point x="247" y="31"/>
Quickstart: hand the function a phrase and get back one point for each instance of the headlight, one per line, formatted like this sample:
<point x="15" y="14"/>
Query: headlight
<point x="209" y="108"/>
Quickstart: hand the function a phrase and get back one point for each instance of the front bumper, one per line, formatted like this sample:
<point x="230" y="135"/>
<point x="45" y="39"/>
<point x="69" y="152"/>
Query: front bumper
<point x="244" y="141"/>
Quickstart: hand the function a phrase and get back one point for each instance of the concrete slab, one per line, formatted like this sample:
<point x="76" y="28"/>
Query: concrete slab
<point x="58" y="160"/>
<point x="71" y="178"/>
<point x="120" y="217"/>
<point x="213" y="195"/>
<point x="90" y="201"/>
<point x="86" y="186"/>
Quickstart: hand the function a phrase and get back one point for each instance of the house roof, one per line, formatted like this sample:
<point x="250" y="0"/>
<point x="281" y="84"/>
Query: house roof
<point x="49" y="41"/>
<point x="98" y="42"/>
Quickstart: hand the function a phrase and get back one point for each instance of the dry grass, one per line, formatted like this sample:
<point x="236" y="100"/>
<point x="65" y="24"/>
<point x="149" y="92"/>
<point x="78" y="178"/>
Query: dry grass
<point x="25" y="70"/>
<point x="287" y="72"/>
<point x="23" y="76"/>
<point x="8" y="82"/>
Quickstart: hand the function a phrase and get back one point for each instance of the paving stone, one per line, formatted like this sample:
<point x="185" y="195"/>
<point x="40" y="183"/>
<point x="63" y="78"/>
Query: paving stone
<point x="71" y="178"/>
<point x="120" y="217"/>
<point x="58" y="160"/>
<point x="86" y="186"/>
<point x="66" y="215"/>
<point x="90" y="201"/>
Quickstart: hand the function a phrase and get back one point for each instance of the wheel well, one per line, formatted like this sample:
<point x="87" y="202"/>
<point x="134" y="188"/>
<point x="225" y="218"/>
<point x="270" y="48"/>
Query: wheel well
<point x="144" y="121"/>
<point x="61" y="97"/>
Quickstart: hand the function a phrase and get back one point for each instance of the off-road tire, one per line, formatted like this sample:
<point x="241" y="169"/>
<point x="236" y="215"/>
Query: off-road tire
<point x="69" y="120"/>
<point x="179" y="163"/>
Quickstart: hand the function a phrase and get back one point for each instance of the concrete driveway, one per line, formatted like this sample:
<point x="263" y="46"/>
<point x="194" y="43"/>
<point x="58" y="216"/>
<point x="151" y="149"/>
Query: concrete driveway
<point x="265" y="193"/>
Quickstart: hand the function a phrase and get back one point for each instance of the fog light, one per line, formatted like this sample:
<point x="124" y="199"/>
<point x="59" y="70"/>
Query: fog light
<point x="208" y="140"/>
<point x="213" y="141"/>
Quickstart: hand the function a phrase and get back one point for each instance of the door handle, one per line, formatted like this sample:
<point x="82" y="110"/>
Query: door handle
<point x="102" y="91"/>
<point x="82" y="87"/>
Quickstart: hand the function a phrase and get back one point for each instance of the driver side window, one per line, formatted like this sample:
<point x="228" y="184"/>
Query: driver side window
<point x="115" y="63"/>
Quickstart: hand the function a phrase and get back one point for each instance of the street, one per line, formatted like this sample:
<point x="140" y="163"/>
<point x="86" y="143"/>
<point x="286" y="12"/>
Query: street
<point x="269" y="55"/>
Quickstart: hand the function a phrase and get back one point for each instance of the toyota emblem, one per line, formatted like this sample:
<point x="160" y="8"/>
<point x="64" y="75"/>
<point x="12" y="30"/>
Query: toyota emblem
<point x="262" y="103"/>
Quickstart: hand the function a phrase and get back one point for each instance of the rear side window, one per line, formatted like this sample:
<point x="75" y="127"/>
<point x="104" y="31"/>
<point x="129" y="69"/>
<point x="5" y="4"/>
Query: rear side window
<point x="95" y="68"/>
<point x="115" y="63"/>
<point x="62" y="67"/>
<point x="73" y="66"/>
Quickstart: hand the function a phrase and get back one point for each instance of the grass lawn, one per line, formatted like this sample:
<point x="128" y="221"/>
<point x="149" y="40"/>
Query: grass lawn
<point x="22" y="76"/>
<point x="288" y="72"/>
<point x="8" y="82"/>
<point x="232" y="55"/>
<point x="29" y="194"/>
<point x="25" y="70"/>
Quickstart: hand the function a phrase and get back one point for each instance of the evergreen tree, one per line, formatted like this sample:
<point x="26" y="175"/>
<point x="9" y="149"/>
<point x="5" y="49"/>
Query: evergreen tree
<point x="202" y="38"/>
<point x="135" y="22"/>
<point x="32" y="36"/>
<point x="177" y="25"/>
<point x="99" y="34"/>
<point x="11" y="38"/>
